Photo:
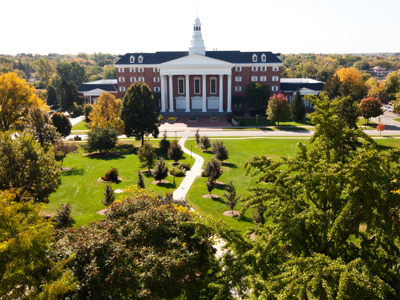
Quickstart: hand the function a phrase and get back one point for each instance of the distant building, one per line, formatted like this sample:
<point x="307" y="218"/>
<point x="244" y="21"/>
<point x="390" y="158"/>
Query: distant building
<point x="306" y="86"/>
<point x="92" y="90"/>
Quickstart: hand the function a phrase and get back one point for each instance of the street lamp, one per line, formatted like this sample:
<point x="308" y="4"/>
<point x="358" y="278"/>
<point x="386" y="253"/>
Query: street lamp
<point x="174" y="173"/>
<point x="191" y="151"/>
<point x="256" y="121"/>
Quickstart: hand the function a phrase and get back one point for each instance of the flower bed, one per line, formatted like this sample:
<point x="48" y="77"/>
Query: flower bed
<point x="172" y="119"/>
<point x="214" y="119"/>
<point x="193" y="119"/>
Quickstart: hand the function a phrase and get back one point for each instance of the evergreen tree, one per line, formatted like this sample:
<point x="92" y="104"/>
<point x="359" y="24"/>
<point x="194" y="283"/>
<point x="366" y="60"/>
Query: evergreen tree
<point x="109" y="196"/>
<point x="100" y="139"/>
<point x="138" y="112"/>
<point x="147" y="155"/>
<point x="140" y="181"/>
<point x="332" y="87"/>
<point x="164" y="143"/>
<point x="205" y="142"/>
<point x="231" y="198"/>
<point x="297" y="107"/>
<point x="63" y="217"/>
<point x="257" y="95"/>
<point x="197" y="136"/>
<point x="220" y="151"/>
<point x="52" y="99"/>
<point x="61" y="123"/>
<point x="175" y="151"/>
<point x="210" y="184"/>
<point x="348" y="111"/>
<point x="160" y="170"/>
<point x="213" y="169"/>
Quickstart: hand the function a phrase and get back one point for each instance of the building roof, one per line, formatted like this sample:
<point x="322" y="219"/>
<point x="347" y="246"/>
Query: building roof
<point x="236" y="57"/>
<point x="293" y="84"/>
<point x="107" y="85"/>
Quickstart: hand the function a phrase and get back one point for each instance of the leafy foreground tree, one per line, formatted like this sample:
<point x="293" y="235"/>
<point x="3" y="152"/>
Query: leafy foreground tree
<point x="160" y="170"/>
<point x="175" y="151"/>
<point x="334" y="212"/>
<point x="138" y="112"/>
<point x="147" y="156"/>
<point x="142" y="249"/>
<point x="278" y="108"/>
<point x="26" y="271"/>
<point x="257" y="95"/>
<point x="25" y="165"/>
<point x="220" y="151"/>
<point x="297" y="108"/>
<point x="100" y="139"/>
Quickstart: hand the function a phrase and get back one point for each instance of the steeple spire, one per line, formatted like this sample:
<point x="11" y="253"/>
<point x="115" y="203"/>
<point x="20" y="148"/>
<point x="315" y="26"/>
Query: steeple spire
<point x="197" y="43"/>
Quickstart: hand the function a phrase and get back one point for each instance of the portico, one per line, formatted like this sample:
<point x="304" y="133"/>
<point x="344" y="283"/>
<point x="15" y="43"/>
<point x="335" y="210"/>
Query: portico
<point x="196" y="82"/>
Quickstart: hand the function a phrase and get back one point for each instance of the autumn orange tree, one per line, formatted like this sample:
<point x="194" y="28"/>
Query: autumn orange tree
<point x="380" y="127"/>
<point x="106" y="113"/>
<point x="351" y="83"/>
<point x="16" y="97"/>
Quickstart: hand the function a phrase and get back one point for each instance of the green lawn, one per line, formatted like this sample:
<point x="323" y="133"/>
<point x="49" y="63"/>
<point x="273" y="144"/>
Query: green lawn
<point x="263" y="121"/>
<point x="366" y="123"/>
<point x="81" y="188"/>
<point x="80" y="126"/>
<point x="396" y="119"/>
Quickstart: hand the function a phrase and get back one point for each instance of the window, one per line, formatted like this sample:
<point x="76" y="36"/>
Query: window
<point x="181" y="86"/>
<point x="263" y="68"/>
<point x="121" y="79"/>
<point x="155" y="69"/>
<point x="197" y="85"/>
<point x="275" y="78"/>
<point x="289" y="98"/>
<point x="122" y="89"/>
<point x="238" y="105"/>
<point x="156" y="79"/>
<point x="141" y="79"/>
<point x="274" y="88"/>
<point x="254" y="57"/>
<point x="120" y="69"/>
<point x="275" y="68"/>
<point x="132" y="70"/>
<point x="213" y="85"/>
<point x="263" y="58"/>
<point x="238" y="88"/>
<point x="140" y="70"/>
<point x="254" y="69"/>
<point x="133" y="79"/>
<point x="253" y="78"/>
<point x="132" y="59"/>
<point x="140" y="59"/>
<point x="263" y="78"/>
<point x="238" y="78"/>
<point x="156" y="88"/>
<point x="238" y="69"/>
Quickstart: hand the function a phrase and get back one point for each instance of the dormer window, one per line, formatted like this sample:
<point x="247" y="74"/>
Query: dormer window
<point x="254" y="57"/>
<point x="132" y="59"/>
<point x="140" y="59"/>
<point x="263" y="58"/>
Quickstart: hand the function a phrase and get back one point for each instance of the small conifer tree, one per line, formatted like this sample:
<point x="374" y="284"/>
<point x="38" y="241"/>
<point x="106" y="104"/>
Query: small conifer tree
<point x="147" y="155"/>
<point x="109" y="196"/>
<point x="197" y="136"/>
<point x="205" y="142"/>
<point x="63" y="217"/>
<point x="140" y="181"/>
<point x="210" y="183"/>
<point x="164" y="143"/>
<point x="220" y="151"/>
<point x="297" y="108"/>
<point x="160" y="170"/>
<point x="213" y="169"/>
<point x="231" y="198"/>
<point x="175" y="151"/>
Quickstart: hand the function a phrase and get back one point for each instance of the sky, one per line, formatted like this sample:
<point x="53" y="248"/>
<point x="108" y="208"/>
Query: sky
<point x="121" y="26"/>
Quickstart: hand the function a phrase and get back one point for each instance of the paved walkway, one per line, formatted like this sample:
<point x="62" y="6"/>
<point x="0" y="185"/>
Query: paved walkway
<point x="181" y="191"/>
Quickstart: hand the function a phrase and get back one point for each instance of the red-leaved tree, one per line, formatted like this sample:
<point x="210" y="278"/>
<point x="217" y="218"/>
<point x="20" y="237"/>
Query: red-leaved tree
<point x="278" y="108"/>
<point x="380" y="127"/>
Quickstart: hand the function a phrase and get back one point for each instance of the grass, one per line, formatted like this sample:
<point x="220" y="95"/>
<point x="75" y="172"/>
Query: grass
<point x="81" y="188"/>
<point x="396" y="119"/>
<point x="263" y="121"/>
<point x="80" y="126"/>
<point x="366" y="124"/>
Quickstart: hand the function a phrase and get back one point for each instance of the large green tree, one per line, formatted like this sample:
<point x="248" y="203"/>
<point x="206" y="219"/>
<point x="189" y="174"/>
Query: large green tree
<point x="142" y="249"/>
<point x="138" y="112"/>
<point x="72" y="72"/>
<point x="257" y="95"/>
<point x="68" y="93"/>
<point x="26" y="166"/>
<point x="334" y="219"/>
<point x="297" y="107"/>
<point x="44" y="68"/>
<point x="52" y="98"/>
<point x="100" y="139"/>
<point x="62" y="123"/>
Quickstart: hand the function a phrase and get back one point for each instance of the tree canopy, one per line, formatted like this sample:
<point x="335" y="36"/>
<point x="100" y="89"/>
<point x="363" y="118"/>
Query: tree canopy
<point x="106" y="113"/>
<point x="138" y="112"/>
<point x="16" y="98"/>
<point x="370" y="107"/>
<point x="297" y="107"/>
<point x="257" y="95"/>
<point x="100" y="139"/>
<point x="278" y="108"/>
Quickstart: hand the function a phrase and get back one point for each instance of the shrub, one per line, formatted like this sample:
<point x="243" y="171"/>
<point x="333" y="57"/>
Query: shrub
<point x="177" y="172"/>
<point x="87" y="109"/>
<point x="61" y="123"/>
<point x="112" y="174"/>
<point x="220" y="151"/>
<point x="101" y="139"/>
<point x="183" y="165"/>
<point x="164" y="143"/>
<point x="205" y="142"/>
<point x="197" y="136"/>
<point x="160" y="170"/>
<point x="140" y="181"/>
<point x="212" y="169"/>
<point x="63" y="217"/>
<point x="77" y="138"/>
<point x="175" y="151"/>
<point x="109" y="196"/>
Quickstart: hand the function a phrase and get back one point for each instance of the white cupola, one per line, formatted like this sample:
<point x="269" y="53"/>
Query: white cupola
<point x="197" y="42"/>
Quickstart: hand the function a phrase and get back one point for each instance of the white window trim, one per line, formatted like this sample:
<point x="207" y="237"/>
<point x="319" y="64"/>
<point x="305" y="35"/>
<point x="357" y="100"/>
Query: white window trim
<point x="121" y="70"/>
<point x="155" y="69"/>
<point x="240" y="105"/>
<point x="141" y="70"/>
<point x="141" y="79"/>
<point x="263" y="69"/>
<point x="254" y="68"/>
<point x="263" y="78"/>
<point x="156" y="79"/>
<point x="238" y="69"/>
<point x="121" y="79"/>
<point x="238" y="78"/>
<point x="132" y="59"/>
<point x="194" y="85"/>
<point x="183" y="85"/>
<point x="216" y="86"/>
<point x="254" y="58"/>
<point x="122" y="89"/>
<point x="238" y="88"/>
<point x="275" y="68"/>
<point x="156" y="89"/>
<point x="254" y="78"/>
<point x="263" y="58"/>
<point x="132" y="70"/>
<point x="274" y="88"/>
<point x="133" y="79"/>
<point x="140" y="60"/>
<point x="275" y="78"/>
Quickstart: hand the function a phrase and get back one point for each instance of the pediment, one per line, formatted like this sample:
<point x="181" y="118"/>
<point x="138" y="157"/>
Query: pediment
<point x="196" y="60"/>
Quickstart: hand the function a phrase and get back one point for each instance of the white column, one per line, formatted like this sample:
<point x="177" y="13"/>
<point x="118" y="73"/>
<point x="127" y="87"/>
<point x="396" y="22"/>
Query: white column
<point x="229" y="100"/>
<point x="171" y="94"/>
<point x="163" y="93"/>
<point x="204" y="94"/>
<point x="221" y="94"/>
<point x="187" y="94"/>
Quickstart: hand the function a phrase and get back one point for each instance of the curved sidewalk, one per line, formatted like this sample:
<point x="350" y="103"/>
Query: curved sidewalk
<point x="191" y="175"/>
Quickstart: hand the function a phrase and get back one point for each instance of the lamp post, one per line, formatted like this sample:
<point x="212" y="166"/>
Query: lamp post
<point x="174" y="174"/>
<point x="256" y="121"/>
<point x="191" y="151"/>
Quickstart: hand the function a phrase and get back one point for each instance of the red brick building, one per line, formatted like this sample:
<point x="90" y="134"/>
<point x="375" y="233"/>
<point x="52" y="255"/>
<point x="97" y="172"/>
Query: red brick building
<point x="199" y="80"/>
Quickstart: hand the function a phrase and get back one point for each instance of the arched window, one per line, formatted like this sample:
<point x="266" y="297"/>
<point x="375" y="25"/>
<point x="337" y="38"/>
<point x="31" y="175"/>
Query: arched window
<point x="132" y="59"/>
